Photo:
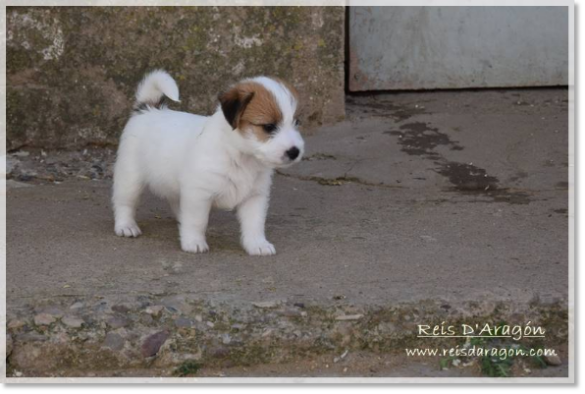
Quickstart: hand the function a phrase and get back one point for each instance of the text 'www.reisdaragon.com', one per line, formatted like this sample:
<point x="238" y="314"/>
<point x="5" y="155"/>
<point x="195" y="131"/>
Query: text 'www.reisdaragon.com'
<point x="478" y="351"/>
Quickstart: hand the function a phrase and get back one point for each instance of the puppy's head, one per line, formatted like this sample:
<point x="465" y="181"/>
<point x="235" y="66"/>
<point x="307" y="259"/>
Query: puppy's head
<point x="263" y="111"/>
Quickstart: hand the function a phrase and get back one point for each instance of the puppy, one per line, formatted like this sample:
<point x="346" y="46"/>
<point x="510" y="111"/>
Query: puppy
<point x="196" y="162"/>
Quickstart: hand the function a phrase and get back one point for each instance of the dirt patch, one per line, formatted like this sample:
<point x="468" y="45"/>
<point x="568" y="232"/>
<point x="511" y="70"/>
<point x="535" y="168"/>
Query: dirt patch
<point x="319" y="156"/>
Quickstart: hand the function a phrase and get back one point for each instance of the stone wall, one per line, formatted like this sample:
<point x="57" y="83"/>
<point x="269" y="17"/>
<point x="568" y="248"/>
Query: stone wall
<point x="72" y="71"/>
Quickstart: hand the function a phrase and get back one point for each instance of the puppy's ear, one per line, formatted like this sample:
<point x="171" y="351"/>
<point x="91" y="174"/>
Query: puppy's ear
<point x="233" y="103"/>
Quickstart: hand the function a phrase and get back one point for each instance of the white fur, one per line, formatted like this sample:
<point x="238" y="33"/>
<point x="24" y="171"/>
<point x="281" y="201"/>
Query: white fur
<point x="197" y="162"/>
<point x="154" y="85"/>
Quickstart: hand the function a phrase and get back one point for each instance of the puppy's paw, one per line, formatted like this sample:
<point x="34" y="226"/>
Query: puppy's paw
<point x="127" y="230"/>
<point x="259" y="247"/>
<point x="195" y="245"/>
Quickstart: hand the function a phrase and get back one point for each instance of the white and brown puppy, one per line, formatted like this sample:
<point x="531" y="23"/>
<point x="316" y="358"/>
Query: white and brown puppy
<point x="196" y="162"/>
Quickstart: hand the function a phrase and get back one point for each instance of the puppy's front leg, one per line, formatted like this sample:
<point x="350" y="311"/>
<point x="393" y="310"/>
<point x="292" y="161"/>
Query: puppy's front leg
<point x="252" y="215"/>
<point x="194" y="215"/>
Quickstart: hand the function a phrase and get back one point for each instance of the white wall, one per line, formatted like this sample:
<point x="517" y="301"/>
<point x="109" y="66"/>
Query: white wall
<point x="457" y="47"/>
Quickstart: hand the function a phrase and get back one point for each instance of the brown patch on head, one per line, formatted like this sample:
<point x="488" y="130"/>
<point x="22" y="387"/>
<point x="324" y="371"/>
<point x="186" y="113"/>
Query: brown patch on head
<point x="249" y="106"/>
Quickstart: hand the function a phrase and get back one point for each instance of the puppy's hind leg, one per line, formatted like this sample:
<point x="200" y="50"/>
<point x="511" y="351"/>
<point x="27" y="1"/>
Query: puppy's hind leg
<point x="128" y="186"/>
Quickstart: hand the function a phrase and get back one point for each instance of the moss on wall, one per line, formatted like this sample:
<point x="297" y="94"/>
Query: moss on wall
<point x="72" y="71"/>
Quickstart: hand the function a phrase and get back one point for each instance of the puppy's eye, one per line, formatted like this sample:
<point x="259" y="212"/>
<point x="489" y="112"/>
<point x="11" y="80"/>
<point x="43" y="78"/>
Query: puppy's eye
<point x="269" y="128"/>
<point x="297" y="122"/>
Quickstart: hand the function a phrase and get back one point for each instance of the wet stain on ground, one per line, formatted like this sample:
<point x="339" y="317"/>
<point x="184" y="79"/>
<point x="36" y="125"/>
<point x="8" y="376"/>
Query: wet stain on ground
<point x="471" y="180"/>
<point x="420" y="139"/>
<point x="562" y="185"/>
<point x="467" y="177"/>
<point x="562" y="211"/>
<point x="417" y="138"/>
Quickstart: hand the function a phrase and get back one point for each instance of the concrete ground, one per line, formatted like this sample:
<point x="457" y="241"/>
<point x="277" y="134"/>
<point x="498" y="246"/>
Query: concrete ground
<point x="419" y="202"/>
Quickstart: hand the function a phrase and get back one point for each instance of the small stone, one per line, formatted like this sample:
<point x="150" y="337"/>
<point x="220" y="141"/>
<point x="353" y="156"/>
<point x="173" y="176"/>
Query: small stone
<point x="267" y="333"/>
<point x="44" y="319"/>
<point x="121" y="308"/>
<point x="118" y="321"/>
<point x="349" y="317"/>
<point x="183" y="322"/>
<point x="15" y="324"/>
<point x="553" y="360"/>
<point x="199" y="318"/>
<point x="76" y="306"/>
<point x="210" y="324"/>
<point x="114" y="341"/>
<point x="177" y="304"/>
<point x="72" y="321"/>
<point x="265" y="304"/>
<point x="152" y="344"/>
<point x="146" y="319"/>
<point x="226" y="339"/>
<point x="154" y="310"/>
<point x="20" y="153"/>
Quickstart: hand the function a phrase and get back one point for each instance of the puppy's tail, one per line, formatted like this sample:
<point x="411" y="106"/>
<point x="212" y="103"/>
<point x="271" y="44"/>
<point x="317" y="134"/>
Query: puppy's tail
<point x="154" y="88"/>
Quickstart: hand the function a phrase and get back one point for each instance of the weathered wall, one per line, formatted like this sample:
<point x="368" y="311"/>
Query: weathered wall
<point x="72" y="71"/>
<point x="395" y="48"/>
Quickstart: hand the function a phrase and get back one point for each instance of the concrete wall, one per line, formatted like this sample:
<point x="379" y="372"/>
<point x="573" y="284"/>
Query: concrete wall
<point x="457" y="47"/>
<point x="72" y="71"/>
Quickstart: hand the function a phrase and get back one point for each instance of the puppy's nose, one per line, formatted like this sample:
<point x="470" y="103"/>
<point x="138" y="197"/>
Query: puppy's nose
<point x="293" y="153"/>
